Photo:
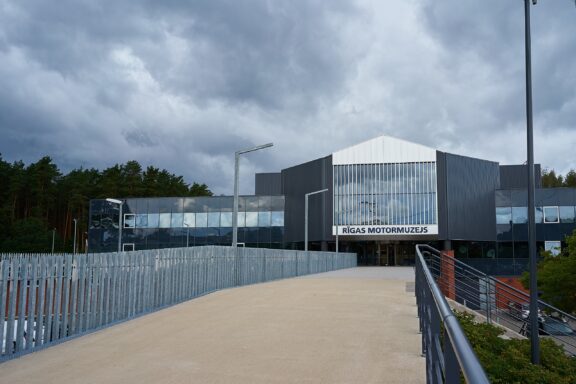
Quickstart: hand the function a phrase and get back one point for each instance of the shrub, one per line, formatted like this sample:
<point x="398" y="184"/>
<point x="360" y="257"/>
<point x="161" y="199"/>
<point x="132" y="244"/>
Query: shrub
<point x="508" y="361"/>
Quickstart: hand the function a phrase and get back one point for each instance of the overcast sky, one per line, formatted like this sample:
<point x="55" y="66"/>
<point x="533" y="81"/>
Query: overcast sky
<point x="182" y="85"/>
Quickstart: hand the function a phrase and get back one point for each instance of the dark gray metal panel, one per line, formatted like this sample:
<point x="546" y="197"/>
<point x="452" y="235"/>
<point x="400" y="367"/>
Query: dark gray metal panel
<point x="516" y="176"/>
<point x="441" y="195"/>
<point x="503" y="198"/>
<point x="268" y="184"/>
<point x="296" y="182"/>
<point x="543" y="197"/>
<point x="470" y="186"/>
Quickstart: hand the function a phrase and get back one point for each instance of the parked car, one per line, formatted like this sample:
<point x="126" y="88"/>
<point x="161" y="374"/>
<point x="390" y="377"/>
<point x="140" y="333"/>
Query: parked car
<point x="549" y="325"/>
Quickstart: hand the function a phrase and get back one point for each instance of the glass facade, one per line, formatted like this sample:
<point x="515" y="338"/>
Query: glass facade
<point x="177" y="222"/>
<point x="385" y="194"/>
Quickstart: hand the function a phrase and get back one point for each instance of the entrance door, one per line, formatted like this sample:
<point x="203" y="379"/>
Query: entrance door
<point x="391" y="254"/>
<point x="387" y="254"/>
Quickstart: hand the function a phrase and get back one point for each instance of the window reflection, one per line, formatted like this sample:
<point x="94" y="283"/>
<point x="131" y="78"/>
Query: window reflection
<point x="277" y="219"/>
<point x="201" y="220"/>
<point x="153" y="220"/>
<point x="164" y="220"/>
<point x="142" y="220"/>
<point x="251" y="219"/>
<point x="503" y="215"/>
<point x="214" y="219"/>
<point x="226" y="219"/>
<point x="539" y="215"/>
<point x="129" y="220"/>
<point x="566" y="214"/>
<point x="190" y="220"/>
<point x="177" y="220"/>
<point x="241" y="219"/>
<point x="519" y="215"/>
<point x="263" y="219"/>
<point x="385" y="194"/>
<point x="551" y="215"/>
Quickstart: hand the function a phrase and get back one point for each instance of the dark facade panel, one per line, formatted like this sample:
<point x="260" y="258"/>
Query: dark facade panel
<point x="516" y="176"/>
<point x="442" y="195"/>
<point x="543" y="197"/>
<point x="296" y="182"/>
<point x="470" y="206"/>
<point x="269" y="184"/>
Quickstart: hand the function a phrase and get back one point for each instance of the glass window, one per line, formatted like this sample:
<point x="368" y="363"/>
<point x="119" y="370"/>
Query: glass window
<point x="263" y="219"/>
<point x="551" y="215"/>
<point x="177" y="220"/>
<point x="277" y="203"/>
<point x="129" y="220"/>
<point x="566" y="214"/>
<point x="142" y="221"/>
<point x="264" y="203"/>
<point x="539" y="215"/>
<point x="226" y="219"/>
<point x="519" y="215"/>
<point x="503" y="215"/>
<point x="95" y="220"/>
<point x="251" y="219"/>
<point x="190" y="220"/>
<point x="153" y="220"/>
<point x="214" y="219"/>
<point x="201" y="220"/>
<point x="241" y="219"/>
<point x="554" y="247"/>
<point x="164" y="220"/>
<point x="278" y="219"/>
<point x="251" y="203"/>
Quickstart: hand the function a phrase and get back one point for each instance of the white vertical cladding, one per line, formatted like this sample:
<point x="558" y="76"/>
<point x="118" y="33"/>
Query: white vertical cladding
<point x="384" y="149"/>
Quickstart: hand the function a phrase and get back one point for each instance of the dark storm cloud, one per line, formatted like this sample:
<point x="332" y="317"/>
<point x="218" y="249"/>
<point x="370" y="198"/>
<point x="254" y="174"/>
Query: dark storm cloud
<point x="183" y="85"/>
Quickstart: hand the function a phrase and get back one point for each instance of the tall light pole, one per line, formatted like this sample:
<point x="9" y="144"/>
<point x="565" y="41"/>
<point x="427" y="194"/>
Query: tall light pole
<point x="53" y="237"/>
<point x="187" y="234"/>
<point x="235" y="210"/>
<point x="534" y="340"/>
<point x="306" y="215"/>
<point x="119" y="202"/>
<point x="74" y="245"/>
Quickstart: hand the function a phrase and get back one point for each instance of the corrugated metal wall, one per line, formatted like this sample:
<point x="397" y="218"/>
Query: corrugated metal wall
<point x="466" y="197"/>
<point x="296" y="182"/>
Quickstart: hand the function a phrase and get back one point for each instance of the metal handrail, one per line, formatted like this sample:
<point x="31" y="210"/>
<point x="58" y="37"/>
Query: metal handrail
<point x="501" y="303"/>
<point x="446" y="359"/>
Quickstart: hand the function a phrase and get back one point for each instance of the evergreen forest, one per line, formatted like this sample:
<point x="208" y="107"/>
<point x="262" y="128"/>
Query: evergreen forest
<point x="38" y="203"/>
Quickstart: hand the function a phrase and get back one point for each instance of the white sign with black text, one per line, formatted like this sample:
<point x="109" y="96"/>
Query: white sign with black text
<point x="386" y="230"/>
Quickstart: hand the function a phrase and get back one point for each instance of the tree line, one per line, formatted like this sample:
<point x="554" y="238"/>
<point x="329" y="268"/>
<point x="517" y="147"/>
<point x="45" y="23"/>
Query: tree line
<point x="38" y="203"/>
<point x="552" y="180"/>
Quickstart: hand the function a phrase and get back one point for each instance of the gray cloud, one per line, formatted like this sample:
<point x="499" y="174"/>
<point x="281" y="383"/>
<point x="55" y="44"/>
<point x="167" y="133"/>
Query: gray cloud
<point x="182" y="85"/>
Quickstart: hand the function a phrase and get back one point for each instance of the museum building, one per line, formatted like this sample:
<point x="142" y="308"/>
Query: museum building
<point x="382" y="197"/>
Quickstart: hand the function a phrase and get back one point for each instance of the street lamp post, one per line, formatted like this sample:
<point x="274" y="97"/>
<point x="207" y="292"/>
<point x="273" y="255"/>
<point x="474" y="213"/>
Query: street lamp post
<point x="53" y="237"/>
<point x="534" y="340"/>
<point x="187" y="234"/>
<point x="235" y="210"/>
<point x="119" y="202"/>
<point x="74" y="245"/>
<point x="306" y="215"/>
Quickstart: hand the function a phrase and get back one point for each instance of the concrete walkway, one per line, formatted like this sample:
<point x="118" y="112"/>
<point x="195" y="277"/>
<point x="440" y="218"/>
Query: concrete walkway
<point x="352" y="326"/>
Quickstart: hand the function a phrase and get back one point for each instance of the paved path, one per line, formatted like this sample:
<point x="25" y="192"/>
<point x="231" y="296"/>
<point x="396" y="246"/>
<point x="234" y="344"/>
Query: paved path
<point x="351" y="326"/>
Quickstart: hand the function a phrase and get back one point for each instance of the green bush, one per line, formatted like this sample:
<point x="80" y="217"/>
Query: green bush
<point x="508" y="361"/>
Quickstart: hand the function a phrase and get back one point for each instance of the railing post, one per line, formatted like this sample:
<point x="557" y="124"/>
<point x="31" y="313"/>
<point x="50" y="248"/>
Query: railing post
<point x="451" y="367"/>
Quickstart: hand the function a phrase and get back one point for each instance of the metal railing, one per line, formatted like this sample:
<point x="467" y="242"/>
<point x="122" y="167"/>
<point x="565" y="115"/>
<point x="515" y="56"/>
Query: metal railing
<point x="447" y="350"/>
<point x="46" y="299"/>
<point x="497" y="301"/>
